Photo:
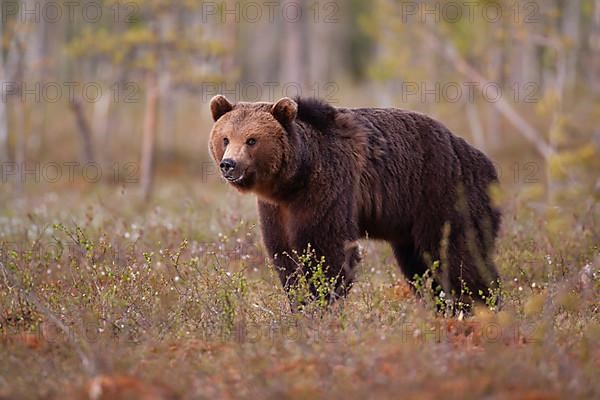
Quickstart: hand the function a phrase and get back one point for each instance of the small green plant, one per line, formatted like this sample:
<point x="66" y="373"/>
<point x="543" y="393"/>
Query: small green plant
<point x="314" y="285"/>
<point x="427" y="288"/>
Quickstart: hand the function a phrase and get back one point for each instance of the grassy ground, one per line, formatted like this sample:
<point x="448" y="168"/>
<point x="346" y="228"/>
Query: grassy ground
<point x="100" y="296"/>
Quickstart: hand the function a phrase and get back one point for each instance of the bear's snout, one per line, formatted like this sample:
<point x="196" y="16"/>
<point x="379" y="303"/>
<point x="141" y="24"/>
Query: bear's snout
<point x="233" y="171"/>
<point x="227" y="165"/>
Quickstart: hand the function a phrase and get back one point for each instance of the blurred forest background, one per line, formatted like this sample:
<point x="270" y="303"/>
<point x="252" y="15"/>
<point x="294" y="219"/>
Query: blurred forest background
<point x="126" y="85"/>
<point x="128" y="267"/>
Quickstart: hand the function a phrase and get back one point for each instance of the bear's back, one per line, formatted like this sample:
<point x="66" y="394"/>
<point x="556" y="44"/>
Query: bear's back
<point x="414" y="169"/>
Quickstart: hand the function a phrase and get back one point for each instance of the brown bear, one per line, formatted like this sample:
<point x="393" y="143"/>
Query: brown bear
<point x="326" y="177"/>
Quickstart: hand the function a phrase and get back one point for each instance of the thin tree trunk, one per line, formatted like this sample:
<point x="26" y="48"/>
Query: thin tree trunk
<point x="100" y="118"/>
<point x="20" y="137"/>
<point x="594" y="44"/>
<point x="168" y="126"/>
<point x="18" y="67"/>
<point x="149" y="134"/>
<point x="321" y="36"/>
<point x="84" y="131"/>
<point x="100" y="124"/>
<point x="3" y="130"/>
<point x="3" y="104"/>
<point x="570" y="30"/>
<point x="229" y="40"/>
<point x="560" y="85"/>
<point x="295" y="67"/>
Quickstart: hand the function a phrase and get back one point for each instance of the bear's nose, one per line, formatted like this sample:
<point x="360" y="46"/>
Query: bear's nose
<point x="227" y="165"/>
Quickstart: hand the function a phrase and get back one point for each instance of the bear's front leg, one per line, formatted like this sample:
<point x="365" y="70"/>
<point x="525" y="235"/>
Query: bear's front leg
<point x="333" y="237"/>
<point x="276" y="241"/>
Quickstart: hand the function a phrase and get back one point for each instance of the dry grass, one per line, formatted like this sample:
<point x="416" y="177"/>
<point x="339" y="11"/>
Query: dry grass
<point x="106" y="299"/>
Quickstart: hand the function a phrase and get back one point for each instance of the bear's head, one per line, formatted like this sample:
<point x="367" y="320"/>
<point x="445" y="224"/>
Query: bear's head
<point x="251" y="142"/>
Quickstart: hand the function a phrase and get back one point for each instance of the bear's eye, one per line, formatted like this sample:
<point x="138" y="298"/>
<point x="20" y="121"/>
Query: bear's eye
<point x="251" y="142"/>
<point x="225" y="141"/>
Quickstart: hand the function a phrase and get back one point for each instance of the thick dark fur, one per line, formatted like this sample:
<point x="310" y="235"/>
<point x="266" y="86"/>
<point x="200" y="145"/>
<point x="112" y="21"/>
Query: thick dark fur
<point x="386" y="174"/>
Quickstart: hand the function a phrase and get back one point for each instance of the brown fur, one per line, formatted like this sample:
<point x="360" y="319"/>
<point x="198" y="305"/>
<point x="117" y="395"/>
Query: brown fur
<point x="328" y="176"/>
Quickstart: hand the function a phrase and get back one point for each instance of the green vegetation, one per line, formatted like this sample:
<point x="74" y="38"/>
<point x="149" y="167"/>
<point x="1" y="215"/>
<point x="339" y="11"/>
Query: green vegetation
<point x="168" y="298"/>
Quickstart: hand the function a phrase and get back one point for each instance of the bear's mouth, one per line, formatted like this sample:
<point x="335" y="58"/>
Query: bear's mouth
<point x="235" y="175"/>
<point x="243" y="180"/>
<point x="233" y="179"/>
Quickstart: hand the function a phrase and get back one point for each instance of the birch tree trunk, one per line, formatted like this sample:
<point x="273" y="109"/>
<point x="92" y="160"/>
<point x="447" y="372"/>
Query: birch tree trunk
<point x="295" y="67"/>
<point x="84" y="130"/>
<point x="3" y="104"/>
<point x="570" y="30"/>
<point x="149" y="134"/>
<point x="100" y="119"/>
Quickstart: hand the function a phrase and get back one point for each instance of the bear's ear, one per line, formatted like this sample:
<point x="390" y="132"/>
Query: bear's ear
<point x="219" y="105"/>
<point x="285" y="110"/>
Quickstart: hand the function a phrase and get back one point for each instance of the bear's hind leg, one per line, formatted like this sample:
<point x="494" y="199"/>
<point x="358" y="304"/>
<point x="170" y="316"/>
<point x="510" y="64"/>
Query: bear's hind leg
<point x="410" y="261"/>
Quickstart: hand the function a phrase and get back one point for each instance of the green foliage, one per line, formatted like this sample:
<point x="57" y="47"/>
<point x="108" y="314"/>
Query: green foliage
<point x="152" y="40"/>
<point x="314" y="285"/>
